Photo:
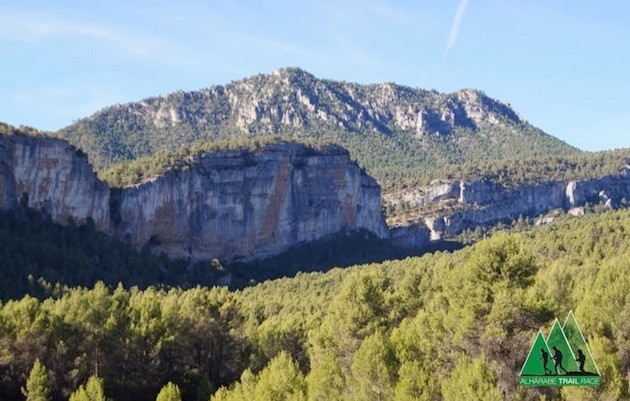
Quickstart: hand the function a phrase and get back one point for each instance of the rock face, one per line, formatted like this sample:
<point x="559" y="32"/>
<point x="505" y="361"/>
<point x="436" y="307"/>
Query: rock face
<point x="413" y="236"/>
<point x="449" y="208"/>
<point x="247" y="204"/>
<point x="52" y="176"/>
<point x="243" y="204"/>
<point x="228" y="205"/>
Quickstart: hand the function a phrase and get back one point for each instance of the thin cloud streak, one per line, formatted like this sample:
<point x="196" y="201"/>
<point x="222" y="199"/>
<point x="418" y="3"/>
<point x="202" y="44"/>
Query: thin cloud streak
<point x="38" y="30"/>
<point x="457" y="21"/>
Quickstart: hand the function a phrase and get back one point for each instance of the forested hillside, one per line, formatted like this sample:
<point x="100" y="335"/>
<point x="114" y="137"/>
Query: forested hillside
<point x="508" y="172"/>
<point x="439" y="327"/>
<point x="125" y="174"/>
<point x="390" y="129"/>
<point x="513" y="172"/>
<point x="36" y="254"/>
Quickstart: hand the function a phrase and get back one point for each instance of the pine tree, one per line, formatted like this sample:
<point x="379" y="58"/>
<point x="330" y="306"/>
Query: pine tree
<point x="170" y="392"/>
<point x="374" y="369"/>
<point x="37" y="384"/>
<point x="325" y="380"/>
<point x="93" y="390"/>
<point x="471" y="380"/>
<point x="281" y="380"/>
<point x="415" y="383"/>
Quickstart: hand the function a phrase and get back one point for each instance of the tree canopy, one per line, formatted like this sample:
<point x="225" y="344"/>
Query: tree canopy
<point x="440" y="326"/>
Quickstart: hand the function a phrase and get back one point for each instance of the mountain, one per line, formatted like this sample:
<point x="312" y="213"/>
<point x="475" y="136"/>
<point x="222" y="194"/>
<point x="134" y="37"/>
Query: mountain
<point x="392" y="130"/>
<point x="249" y="200"/>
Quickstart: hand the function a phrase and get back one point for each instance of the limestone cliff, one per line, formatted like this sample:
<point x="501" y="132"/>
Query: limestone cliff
<point x="246" y="204"/>
<point x="53" y="177"/>
<point x="229" y="205"/>
<point x="450" y="207"/>
<point x="249" y="204"/>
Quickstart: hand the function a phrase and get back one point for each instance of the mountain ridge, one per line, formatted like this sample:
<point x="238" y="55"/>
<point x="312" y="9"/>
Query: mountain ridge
<point x="390" y="129"/>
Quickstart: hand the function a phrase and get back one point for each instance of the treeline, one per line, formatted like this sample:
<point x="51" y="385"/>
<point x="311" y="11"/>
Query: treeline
<point x="132" y="339"/>
<point x="517" y="171"/>
<point x="398" y="162"/>
<point x="126" y="174"/>
<point x="439" y="327"/>
<point x="392" y="171"/>
<point x="8" y="129"/>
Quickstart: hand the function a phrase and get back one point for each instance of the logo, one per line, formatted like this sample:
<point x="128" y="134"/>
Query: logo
<point x="563" y="359"/>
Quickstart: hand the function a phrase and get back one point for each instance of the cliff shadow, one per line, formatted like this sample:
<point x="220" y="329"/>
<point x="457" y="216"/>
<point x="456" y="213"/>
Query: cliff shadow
<point x="338" y="250"/>
<point x="42" y="257"/>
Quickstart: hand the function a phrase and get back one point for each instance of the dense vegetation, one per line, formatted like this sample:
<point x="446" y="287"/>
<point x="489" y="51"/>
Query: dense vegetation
<point x="126" y="174"/>
<point x="523" y="170"/>
<point x="295" y="105"/>
<point x="34" y="252"/>
<point x="393" y="172"/>
<point x="8" y="129"/>
<point x="507" y="172"/>
<point x="438" y="327"/>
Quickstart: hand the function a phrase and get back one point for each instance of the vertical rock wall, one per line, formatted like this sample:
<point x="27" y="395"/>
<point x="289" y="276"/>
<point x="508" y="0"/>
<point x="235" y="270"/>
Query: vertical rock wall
<point x="230" y="205"/>
<point x="242" y="204"/>
<point x="54" y="177"/>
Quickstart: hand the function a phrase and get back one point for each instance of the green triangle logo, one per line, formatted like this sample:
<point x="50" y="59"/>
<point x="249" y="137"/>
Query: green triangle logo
<point x="538" y="354"/>
<point x="561" y="359"/>
<point x="578" y="344"/>
<point x="564" y="359"/>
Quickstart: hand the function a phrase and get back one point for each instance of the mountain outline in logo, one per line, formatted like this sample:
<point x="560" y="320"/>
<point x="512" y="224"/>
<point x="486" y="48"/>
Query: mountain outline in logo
<point x="561" y="359"/>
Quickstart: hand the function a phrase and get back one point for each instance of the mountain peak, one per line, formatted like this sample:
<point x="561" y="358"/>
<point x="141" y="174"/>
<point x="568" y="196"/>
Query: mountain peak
<point x="480" y="106"/>
<point x="291" y="72"/>
<point x="377" y="122"/>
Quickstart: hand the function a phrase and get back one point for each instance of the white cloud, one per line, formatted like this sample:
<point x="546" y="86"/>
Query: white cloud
<point x="457" y="21"/>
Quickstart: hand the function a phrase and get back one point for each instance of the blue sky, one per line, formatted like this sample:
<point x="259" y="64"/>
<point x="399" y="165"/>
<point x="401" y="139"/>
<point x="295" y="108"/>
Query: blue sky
<point x="564" y="65"/>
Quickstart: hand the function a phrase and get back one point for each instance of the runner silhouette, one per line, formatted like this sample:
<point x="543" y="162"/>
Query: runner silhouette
<point x="581" y="359"/>
<point x="545" y="359"/>
<point x="557" y="357"/>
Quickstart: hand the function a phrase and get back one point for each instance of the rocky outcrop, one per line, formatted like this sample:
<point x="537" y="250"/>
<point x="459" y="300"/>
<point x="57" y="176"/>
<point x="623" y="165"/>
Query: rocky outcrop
<point x="450" y="207"/>
<point x="230" y="205"/>
<point x="251" y="204"/>
<point x="610" y="190"/>
<point x="412" y="236"/>
<point x="247" y="204"/>
<point x="50" y="175"/>
<point x="291" y="98"/>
